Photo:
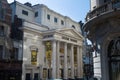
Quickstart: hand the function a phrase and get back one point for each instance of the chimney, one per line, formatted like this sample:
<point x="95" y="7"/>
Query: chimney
<point x="28" y="4"/>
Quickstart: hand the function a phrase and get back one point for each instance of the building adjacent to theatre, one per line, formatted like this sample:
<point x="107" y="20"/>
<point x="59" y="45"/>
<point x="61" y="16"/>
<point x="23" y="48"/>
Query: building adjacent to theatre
<point x="103" y="29"/>
<point x="52" y="43"/>
<point x="10" y="67"/>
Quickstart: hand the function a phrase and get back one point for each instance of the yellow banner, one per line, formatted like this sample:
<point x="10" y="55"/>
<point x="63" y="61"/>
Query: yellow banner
<point x="33" y="57"/>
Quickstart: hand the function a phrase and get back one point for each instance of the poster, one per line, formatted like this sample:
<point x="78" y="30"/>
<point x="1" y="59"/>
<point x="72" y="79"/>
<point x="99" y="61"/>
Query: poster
<point x="34" y="57"/>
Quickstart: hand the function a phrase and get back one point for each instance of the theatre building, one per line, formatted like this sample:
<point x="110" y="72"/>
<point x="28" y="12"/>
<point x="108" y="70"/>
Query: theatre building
<point x="52" y="43"/>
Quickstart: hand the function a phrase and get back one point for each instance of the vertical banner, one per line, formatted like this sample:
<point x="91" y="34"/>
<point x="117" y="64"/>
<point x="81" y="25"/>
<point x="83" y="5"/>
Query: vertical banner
<point x="48" y="52"/>
<point x="34" y="57"/>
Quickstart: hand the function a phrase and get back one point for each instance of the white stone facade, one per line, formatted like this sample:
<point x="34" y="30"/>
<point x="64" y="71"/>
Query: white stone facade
<point x="37" y="39"/>
<point x="52" y="43"/>
<point x="39" y="14"/>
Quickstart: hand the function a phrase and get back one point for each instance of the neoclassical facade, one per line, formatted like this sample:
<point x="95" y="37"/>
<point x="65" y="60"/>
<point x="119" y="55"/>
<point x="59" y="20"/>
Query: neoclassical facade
<point x="53" y="53"/>
<point x="52" y="43"/>
<point x="102" y="28"/>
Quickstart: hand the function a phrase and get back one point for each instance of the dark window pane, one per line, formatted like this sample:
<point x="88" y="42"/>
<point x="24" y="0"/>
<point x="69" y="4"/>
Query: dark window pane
<point x="25" y="12"/>
<point x="62" y="22"/>
<point x="1" y="30"/>
<point x="73" y="26"/>
<point x="28" y="76"/>
<point x="36" y="14"/>
<point x="15" y="55"/>
<point x="1" y="51"/>
<point x="55" y="19"/>
<point x="2" y="13"/>
<point x="36" y="76"/>
<point x="48" y="17"/>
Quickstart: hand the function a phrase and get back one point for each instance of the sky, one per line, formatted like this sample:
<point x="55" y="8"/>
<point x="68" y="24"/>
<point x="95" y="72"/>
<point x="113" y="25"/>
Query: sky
<point x="75" y="9"/>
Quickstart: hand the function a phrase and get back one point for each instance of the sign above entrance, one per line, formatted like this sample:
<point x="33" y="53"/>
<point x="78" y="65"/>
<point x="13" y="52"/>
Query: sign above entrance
<point x="69" y="39"/>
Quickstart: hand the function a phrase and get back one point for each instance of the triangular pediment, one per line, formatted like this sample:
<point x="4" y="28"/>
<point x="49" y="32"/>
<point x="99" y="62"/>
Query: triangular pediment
<point x="70" y="32"/>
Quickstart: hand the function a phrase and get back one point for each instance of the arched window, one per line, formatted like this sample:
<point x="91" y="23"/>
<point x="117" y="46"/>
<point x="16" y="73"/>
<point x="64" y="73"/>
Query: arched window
<point x="114" y="59"/>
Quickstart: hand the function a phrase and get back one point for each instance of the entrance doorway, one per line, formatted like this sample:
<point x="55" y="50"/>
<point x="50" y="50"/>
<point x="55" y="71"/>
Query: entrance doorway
<point x="49" y="73"/>
<point x="114" y="59"/>
<point x="62" y="73"/>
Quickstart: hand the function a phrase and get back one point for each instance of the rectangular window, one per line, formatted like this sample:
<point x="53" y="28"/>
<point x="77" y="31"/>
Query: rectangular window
<point x="1" y="51"/>
<point x="55" y="19"/>
<point x="62" y="22"/>
<point x="28" y="76"/>
<point x="48" y="17"/>
<point x="36" y="14"/>
<point x="36" y="77"/>
<point x="25" y="12"/>
<point x="16" y="53"/>
<point x="2" y="13"/>
<point x="1" y="30"/>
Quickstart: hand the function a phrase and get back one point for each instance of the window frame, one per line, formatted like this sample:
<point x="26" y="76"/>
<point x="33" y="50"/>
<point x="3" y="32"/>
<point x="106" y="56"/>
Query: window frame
<point x="1" y="30"/>
<point x="55" y="19"/>
<point x="1" y="51"/>
<point x="25" y="12"/>
<point x="62" y="22"/>
<point x="36" y="14"/>
<point x="48" y="16"/>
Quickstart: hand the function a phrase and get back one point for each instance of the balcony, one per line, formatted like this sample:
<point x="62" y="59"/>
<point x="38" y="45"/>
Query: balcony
<point x="105" y="8"/>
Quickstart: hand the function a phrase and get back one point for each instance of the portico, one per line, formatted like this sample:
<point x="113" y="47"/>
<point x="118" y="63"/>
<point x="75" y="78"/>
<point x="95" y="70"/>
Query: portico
<point x="64" y="56"/>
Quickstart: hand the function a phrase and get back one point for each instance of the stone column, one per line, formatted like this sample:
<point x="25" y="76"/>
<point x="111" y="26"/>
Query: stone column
<point x="32" y="72"/>
<point x="40" y="71"/>
<point x="54" y="59"/>
<point x="65" y="62"/>
<point x="58" y="59"/>
<point x="72" y="61"/>
<point x="44" y="62"/>
<point x="44" y="55"/>
<point x="80" y="62"/>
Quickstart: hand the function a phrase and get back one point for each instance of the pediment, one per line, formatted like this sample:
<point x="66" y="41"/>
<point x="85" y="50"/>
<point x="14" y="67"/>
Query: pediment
<point x="71" y="32"/>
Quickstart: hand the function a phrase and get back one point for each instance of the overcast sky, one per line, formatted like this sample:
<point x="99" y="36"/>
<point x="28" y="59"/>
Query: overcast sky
<point x="75" y="9"/>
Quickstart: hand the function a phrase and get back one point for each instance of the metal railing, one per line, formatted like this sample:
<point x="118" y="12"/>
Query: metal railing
<point x="108" y="6"/>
